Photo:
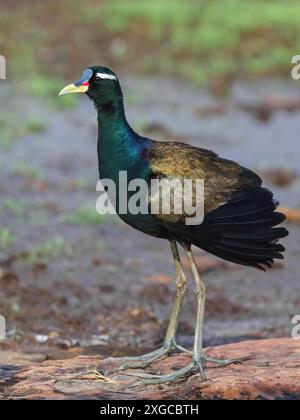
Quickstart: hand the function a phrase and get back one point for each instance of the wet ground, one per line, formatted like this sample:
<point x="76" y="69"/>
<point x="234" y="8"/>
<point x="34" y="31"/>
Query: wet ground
<point x="72" y="282"/>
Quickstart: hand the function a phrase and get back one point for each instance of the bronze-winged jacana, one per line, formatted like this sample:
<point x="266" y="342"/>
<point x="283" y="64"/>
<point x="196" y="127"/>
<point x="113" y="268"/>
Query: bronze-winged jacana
<point x="239" y="222"/>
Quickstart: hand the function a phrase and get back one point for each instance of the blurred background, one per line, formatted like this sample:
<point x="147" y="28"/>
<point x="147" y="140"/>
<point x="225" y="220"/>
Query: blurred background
<point x="210" y="73"/>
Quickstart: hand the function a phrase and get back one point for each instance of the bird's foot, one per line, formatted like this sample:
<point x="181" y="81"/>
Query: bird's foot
<point x="185" y="372"/>
<point x="145" y="360"/>
<point x="178" y="376"/>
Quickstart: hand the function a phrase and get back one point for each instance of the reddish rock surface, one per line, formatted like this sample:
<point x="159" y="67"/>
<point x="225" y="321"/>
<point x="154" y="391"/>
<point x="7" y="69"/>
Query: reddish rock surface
<point x="271" y="372"/>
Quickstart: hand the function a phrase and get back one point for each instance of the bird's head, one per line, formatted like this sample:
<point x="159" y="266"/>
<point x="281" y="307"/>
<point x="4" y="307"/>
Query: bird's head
<point x="100" y="84"/>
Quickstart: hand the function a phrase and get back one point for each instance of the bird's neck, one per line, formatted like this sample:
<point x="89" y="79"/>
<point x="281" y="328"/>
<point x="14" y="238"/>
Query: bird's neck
<point x="112" y="120"/>
<point x="118" y="145"/>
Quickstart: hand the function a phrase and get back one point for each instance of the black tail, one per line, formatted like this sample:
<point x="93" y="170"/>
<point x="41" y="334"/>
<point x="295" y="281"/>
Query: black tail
<point x="242" y="230"/>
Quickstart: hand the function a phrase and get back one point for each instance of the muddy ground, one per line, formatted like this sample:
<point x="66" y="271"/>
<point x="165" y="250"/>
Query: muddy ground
<point x="73" y="283"/>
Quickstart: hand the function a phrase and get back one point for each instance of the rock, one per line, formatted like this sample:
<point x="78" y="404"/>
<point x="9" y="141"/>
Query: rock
<point x="65" y="344"/>
<point x="271" y="372"/>
<point x="96" y="340"/>
<point x="41" y="338"/>
<point x="11" y="358"/>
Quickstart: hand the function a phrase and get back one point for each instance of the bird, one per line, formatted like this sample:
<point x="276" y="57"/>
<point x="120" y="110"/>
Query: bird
<point x="239" y="223"/>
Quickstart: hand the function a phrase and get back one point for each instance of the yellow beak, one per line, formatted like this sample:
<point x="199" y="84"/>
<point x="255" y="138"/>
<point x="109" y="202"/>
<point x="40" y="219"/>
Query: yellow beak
<point x="73" y="89"/>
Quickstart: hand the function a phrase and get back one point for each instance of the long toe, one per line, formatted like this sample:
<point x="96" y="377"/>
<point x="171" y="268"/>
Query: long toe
<point x="141" y="362"/>
<point x="177" y="376"/>
<point x="133" y="358"/>
<point x="141" y="375"/>
<point x="225" y="362"/>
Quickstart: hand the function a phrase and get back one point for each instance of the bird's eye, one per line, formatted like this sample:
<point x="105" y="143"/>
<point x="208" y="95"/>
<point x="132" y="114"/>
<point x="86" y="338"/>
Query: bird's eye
<point x="97" y="79"/>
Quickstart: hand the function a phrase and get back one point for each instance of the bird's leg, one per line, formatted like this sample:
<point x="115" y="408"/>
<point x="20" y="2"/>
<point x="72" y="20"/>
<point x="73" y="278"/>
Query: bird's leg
<point x="170" y="338"/>
<point x="198" y="358"/>
<point x="197" y="361"/>
<point x="201" y="295"/>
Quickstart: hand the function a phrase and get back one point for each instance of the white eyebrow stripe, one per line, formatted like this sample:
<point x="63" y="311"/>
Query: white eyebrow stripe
<point x="106" y="76"/>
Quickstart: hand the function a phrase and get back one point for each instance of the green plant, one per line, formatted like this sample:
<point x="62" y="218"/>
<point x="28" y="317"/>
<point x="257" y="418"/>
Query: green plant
<point x="26" y="170"/>
<point x="84" y="216"/>
<point x="10" y="130"/>
<point x="88" y="216"/>
<point x="36" y="125"/>
<point x="15" y="206"/>
<point x="48" y="250"/>
<point x="48" y="88"/>
<point x="6" y="238"/>
<point x="200" y="40"/>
